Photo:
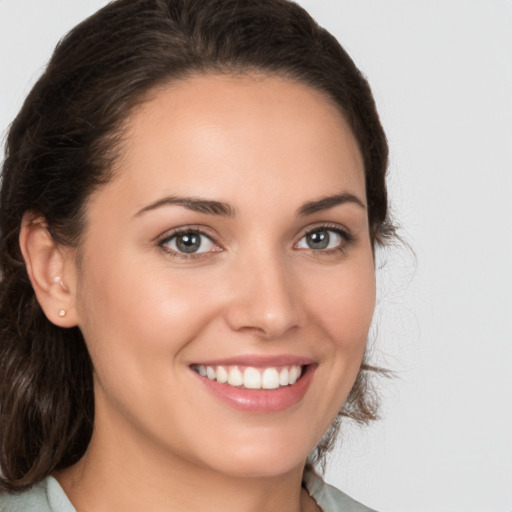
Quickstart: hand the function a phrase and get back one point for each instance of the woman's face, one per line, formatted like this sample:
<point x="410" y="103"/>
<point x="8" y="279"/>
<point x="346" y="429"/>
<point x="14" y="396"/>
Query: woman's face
<point x="232" y="244"/>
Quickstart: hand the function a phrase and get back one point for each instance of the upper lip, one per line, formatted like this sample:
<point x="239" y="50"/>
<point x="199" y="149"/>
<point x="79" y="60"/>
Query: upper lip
<point x="258" y="361"/>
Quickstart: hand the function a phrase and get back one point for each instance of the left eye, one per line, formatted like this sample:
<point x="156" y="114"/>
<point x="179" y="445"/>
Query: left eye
<point x="189" y="242"/>
<point x="321" y="240"/>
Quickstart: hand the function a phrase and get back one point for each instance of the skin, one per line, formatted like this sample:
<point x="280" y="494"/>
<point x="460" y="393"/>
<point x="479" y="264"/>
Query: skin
<point x="264" y="146"/>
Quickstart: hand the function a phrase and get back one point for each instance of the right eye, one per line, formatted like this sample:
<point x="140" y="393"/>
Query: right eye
<point x="189" y="242"/>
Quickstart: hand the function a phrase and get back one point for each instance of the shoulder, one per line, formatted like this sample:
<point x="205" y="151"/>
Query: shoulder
<point x="27" y="501"/>
<point x="330" y="499"/>
<point x="46" y="496"/>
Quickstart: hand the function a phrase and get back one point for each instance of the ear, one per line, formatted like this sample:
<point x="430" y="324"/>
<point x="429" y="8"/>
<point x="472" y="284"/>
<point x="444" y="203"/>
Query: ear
<point x="51" y="269"/>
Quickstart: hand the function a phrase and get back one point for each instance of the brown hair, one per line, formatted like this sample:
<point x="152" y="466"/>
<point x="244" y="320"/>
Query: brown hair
<point x="61" y="146"/>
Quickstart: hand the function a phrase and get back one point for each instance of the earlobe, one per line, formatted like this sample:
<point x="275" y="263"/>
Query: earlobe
<point x="51" y="270"/>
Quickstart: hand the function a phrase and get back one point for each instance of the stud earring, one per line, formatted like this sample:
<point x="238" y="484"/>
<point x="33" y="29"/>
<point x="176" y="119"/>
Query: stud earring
<point x="62" y="313"/>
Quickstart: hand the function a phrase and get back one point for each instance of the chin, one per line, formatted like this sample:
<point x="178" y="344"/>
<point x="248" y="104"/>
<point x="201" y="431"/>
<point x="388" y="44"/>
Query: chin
<point x="268" y="456"/>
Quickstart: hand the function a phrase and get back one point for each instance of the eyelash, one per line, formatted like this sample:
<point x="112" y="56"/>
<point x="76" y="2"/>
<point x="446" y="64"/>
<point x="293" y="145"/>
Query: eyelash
<point x="346" y="240"/>
<point x="187" y="230"/>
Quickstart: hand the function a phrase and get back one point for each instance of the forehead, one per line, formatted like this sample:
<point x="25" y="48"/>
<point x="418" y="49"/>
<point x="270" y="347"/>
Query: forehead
<point x="235" y="134"/>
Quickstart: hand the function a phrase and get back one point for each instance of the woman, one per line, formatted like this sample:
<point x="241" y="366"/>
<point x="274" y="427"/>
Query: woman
<point x="192" y="196"/>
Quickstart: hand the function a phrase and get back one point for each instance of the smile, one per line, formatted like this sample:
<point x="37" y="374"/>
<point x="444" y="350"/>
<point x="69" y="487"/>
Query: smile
<point x="257" y="385"/>
<point x="251" y="377"/>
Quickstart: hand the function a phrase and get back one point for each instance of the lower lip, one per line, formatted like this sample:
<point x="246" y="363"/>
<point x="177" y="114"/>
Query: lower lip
<point x="261" y="400"/>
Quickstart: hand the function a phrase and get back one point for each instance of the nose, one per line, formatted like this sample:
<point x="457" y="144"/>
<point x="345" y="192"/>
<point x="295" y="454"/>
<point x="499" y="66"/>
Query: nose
<point x="263" y="299"/>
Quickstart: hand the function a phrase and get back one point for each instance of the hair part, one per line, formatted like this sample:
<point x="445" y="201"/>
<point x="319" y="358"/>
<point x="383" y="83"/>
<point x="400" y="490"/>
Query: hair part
<point x="63" y="145"/>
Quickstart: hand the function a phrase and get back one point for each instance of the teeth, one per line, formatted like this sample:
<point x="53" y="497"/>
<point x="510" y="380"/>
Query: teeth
<point x="283" y="377"/>
<point x="222" y="375"/>
<point x="235" y="377"/>
<point x="294" y="374"/>
<point x="252" y="378"/>
<point x="270" y="379"/>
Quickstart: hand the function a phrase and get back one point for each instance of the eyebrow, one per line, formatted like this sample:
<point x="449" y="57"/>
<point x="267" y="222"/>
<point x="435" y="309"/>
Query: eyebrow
<point x="191" y="203"/>
<point x="329" y="202"/>
<point x="219" y="208"/>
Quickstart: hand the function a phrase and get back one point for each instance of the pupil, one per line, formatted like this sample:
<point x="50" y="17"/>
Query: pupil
<point x="318" y="240"/>
<point x="189" y="242"/>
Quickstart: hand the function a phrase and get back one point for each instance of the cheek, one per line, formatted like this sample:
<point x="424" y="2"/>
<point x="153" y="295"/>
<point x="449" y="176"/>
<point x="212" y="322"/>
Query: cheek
<point x="344" y="306"/>
<point x="137" y="331"/>
<point x="147" y="316"/>
<point x="341" y="305"/>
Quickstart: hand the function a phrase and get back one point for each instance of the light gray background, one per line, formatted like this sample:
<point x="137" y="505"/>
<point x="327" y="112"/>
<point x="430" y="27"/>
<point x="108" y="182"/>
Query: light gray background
<point x="441" y="72"/>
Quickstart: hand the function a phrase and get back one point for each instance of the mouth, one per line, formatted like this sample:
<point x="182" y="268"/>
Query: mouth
<point x="258" y="387"/>
<point x="249" y="377"/>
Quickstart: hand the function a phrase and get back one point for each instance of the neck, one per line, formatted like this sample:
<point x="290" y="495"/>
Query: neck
<point x="121" y="472"/>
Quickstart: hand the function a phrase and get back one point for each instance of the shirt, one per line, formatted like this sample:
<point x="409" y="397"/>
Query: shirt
<point x="48" y="496"/>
